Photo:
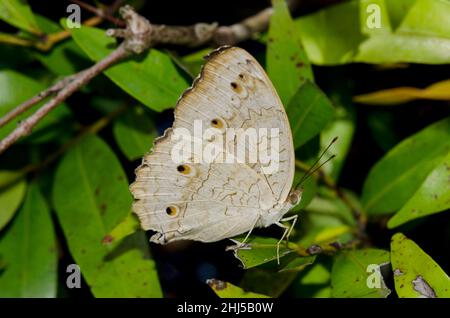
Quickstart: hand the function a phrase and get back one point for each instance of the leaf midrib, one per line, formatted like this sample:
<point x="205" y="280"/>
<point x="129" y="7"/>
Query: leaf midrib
<point x="387" y="187"/>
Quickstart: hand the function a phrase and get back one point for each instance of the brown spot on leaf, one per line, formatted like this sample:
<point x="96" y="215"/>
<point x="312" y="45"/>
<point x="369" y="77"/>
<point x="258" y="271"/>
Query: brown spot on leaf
<point x="108" y="239"/>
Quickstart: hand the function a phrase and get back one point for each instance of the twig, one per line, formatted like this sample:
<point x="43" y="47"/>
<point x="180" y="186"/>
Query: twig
<point x="74" y="83"/>
<point x="104" y="13"/>
<point x="34" y="100"/>
<point x="139" y="35"/>
<point x="91" y="129"/>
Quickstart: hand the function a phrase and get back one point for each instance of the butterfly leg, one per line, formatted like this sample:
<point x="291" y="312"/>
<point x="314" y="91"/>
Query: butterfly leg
<point x="294" y="220"/>
<point x="240" y="245"/>
<point x="286" y="233"/>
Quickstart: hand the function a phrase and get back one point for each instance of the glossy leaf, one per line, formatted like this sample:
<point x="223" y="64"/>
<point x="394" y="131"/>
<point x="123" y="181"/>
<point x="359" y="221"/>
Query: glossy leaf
<point x="422" y="37"/>
<point x="314" y="282"/>
<point x="343" y="127"/>
<point x="433" y="196"/>
<point x="298" y="264"/>
<point x="308" y="111"/>
<point x="64" y="59"/>
<point x="152" y="78"/>
<point x="399" y="95"/>
<point x="331" y="35"/>
<point x="18" y="13"/>
<point x="395" y="178"/>
<point x="352" y="275"/>
<point x="287" y="64"/>
<point x="134" y="133"/>
<point x="91" y="198"/>
<point x="420" y="33"/>
<point x="427" y="18"/>
<point x="260" y="250"/>
<point x="228" y="290"/>
<point x="32" y="272"/>
<point x="398" y="10"/>
<point x="397" y="48"/>
<point x="16" y="88"/>
<point x="12" y="191"/>
<point x="326" y="220"/>
<point x="416" y="274"/>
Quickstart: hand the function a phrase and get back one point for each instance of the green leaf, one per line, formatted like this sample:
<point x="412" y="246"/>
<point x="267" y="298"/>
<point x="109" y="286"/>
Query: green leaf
<point x="428" y="18"/>
<point x="16" y="88"/>
<point x="314" y="282"/>
<point x="18" y="13"/>
<point x="331" y="35"/>
<point x="433" y="196"/>
<point x="125" y="228"/>
<point x="298" y="264"/>
<point x="29" y="249"/>
<point x="152" y="79"/>
<point x="12" y="191"/>
<point x="91" y="197"/>
<point x="395" y="178"/>
<point x="287" y="64"/>
<point x="193" y="62"/>
<point x="397" y="48"/>
<point x="260" y="250"/>
<point x="342" y="127"/>
<point x="228" y="290"/>
<point x="134" y="133"/>
<point x="352" y="275"/>
<point x="416" y="274"/>
<point x="398" y="10"/>
<point x="422" y="37"/>
<point x="63" y="59"/>
<point x="326" y="220"/>
<point x="309" y="111"/>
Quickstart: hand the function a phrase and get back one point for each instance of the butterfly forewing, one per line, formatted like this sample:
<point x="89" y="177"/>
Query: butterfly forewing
<point x="209" y="200"/>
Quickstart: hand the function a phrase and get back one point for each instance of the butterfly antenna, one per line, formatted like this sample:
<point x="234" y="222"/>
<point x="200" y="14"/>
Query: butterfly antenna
<point x="313" y="168"/>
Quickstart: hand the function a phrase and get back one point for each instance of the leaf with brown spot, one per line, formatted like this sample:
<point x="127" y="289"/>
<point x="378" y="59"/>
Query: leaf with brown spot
<point x="416" y="274"/>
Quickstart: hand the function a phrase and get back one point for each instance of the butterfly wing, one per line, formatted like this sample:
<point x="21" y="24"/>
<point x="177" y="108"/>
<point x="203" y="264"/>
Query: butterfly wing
<point x="210" y="201"/>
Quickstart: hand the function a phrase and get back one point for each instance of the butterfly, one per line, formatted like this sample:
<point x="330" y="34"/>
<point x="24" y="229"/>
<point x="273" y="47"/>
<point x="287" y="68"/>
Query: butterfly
<point x="211" y="200"/>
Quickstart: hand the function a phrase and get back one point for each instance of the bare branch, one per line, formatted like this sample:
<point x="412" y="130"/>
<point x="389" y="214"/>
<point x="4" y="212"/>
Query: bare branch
<point x="104" y="13"/>
<point x="243" y="30"/>
<point x="34" y="100"/>
<point x="139" y="35"/>
<point x="77" y="80"/>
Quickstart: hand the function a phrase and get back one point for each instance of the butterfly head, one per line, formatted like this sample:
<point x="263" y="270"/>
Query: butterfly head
<point x="295" y="196"/>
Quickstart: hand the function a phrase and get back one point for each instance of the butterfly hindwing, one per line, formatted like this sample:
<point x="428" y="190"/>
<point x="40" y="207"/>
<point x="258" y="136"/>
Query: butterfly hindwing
<point x="209" y="201"/>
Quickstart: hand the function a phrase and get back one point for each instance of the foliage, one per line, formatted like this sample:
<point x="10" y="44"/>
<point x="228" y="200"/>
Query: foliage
<point x="64" y="194"/>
